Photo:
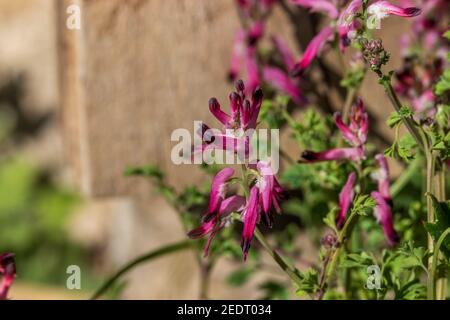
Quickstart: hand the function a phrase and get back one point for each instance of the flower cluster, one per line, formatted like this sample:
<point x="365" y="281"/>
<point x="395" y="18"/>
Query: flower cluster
<point x="424" y="56"/>
<point x="355" y="134"/>
<point x="264" y="190"/>
<point x="345" y="23"/>
<point x="244" y="57"/>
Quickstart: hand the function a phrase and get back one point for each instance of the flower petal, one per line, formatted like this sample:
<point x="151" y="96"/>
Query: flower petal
<point x="250" y="218"/>
<point x="278" y="79"/>
<point x="345" y="199"/>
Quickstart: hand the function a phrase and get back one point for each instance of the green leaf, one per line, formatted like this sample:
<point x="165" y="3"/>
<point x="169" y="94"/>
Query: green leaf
<point x="363" y="204"/>
<point x="240" y="276"/>
<point x="443" y="84"/>
<point x="146" y="171"/>
<point x="442" y="213"/>
<point x="310" y="283"/>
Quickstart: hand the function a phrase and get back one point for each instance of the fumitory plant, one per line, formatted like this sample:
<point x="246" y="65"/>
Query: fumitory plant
<point x="374" y="208"/>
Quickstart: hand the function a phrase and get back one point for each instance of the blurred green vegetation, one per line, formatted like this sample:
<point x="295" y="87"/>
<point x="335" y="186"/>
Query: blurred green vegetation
<point x="34" y="209"/>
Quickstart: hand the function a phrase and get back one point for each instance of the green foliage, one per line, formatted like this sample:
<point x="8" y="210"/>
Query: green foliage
<point x="443" y="84"/>
<point x="309" y="284"/>
<point x="240" y="276"/>
<point x="34" y="212"/>
<point x="274" y="290"/>
<point x="442" y="223"/>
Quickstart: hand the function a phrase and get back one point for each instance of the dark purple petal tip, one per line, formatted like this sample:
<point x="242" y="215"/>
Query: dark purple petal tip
<point x="413" y="11"/>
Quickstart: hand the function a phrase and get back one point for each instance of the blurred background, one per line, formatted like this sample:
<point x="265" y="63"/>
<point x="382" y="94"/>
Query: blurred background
<point x="77" y="107"/>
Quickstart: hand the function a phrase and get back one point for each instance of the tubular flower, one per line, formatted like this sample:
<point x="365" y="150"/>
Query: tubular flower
<point x="383" y="214"/>
<point x="382" y="197"/>
<point x="270" y="192"/>
<point x="345" y="199"/>
<point x="382" y="9"/>
<point x="243" y="116"/>
<point x="250" y="217"/>
<point x="8" y="272"/>
<point x="347" y="23"/>
<point x="278" y="77"/>
<point x="313" y="50"/>
<point x="324" y="6"/>
<point x="219" y="220"/>
<point x="355" y="133"/>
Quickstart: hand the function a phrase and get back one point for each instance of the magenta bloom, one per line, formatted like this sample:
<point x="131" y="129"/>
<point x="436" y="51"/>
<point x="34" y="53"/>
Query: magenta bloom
<point x="355" y="133"/>
<point x="281" y="81"/>
<point x="216" y="222"/>
<point x="242" y="117"/>
<point x="270" y="192"/>
<point x="383" y="214"/>
<point x="313" y="50"/>
<point x="218" y="189"/>
<point x="250" y="217"/>
<point x="382" y="9"/>
<point x="8" y="272"/>
<point x="324" y="6"/>
<point x="382" y="176"/>
<point x="383" y="209"/>
<point x="353" y="154"/>
<point x="345" y="199"/>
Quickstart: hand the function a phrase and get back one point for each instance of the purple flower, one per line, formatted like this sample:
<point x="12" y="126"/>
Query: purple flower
<point x="250" y="217"/>
<point x="218" y="189"/>
<point x="313" y="50"/>
<point x="345" y="199"/>
<point x="279" y="78"/>
<point x="210" y="227"/>
<point x="353" y="154"/>
<point x="383" y="214"/>
<point x="270" y="192"/>
<point x="382" y="9"/>
<point x="281" y="81"/>
<point x="319" y="6"/>
<point x="382" y="197"/>
<point x="355" y="133"/>
<point x="8" y="272"/>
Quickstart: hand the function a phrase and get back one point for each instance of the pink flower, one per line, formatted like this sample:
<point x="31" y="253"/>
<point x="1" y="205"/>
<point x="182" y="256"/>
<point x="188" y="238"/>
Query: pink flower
<point x="382" y="176"/>
<point x="347" y="24"/>
<point x="345" y="199"/>
<point x="250" y="217"/>
<point x="382" y="197"/>
<point x="383" y="214"/>
<point x="270" y="192"/>
<point x="212" y="226"/>
<point x="281" y="81"/>
<point x="352" y="154"/>
<point x="286" y="54"/>
<point x="356" y="132"/>
<point x="313" y="50"/>
<point x="8" y="272"/>
<point x="382" y="9"/>
<point x="319" y="6"/>
<point x="218" y="188"/>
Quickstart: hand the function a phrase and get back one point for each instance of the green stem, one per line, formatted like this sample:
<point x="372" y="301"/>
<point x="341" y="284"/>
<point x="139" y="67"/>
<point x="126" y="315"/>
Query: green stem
<point x="290" y="270"/>
<point x="435" y="261"/>
<point x="139" y="260"/>
<point x="430" y="219"/>
<point x="408" y="121"/>
<point x="441" y="282"/>
<point x="331" y="265"/>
